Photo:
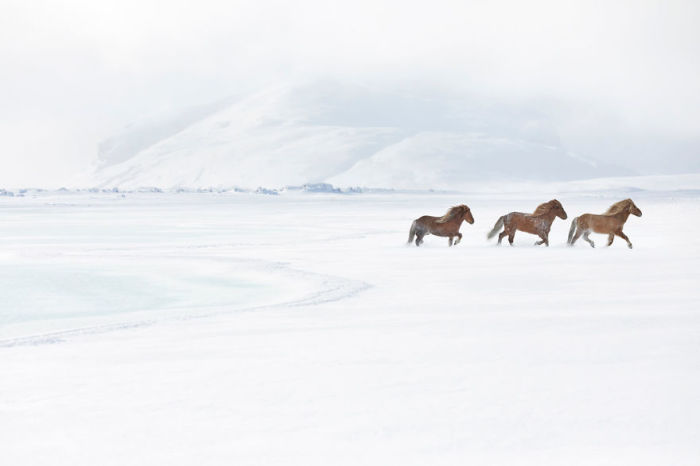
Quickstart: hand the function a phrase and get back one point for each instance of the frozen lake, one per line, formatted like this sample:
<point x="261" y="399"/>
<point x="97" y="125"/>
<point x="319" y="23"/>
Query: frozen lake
<point x="43" y="295"/>
<point x="299" y="329"/>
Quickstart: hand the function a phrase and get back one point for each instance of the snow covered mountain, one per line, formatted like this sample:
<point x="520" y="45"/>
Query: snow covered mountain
<point x="345" y="135"/>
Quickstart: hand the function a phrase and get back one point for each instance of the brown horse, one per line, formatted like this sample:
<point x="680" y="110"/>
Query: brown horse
<point x="538" y="223"/>
<point x="610" y="223"/>
<point x="447" y="225"/>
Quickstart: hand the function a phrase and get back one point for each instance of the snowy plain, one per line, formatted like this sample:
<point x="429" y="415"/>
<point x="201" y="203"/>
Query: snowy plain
<point x="237" y="328"/>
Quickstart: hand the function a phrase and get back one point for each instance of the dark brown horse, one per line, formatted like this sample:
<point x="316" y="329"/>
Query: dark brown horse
<point x="447" y="225"/>
<point x="610" y="223"/>
<point x="538" y="223"/>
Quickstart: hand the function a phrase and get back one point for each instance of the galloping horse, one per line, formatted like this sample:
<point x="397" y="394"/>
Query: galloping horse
<point x="447" y="225"/>
<point x="538" y="223"/>
<point x="610" y="223"/>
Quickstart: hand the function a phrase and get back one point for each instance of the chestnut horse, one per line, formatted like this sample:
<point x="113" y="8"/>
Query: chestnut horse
<point x="610" y="223"/>
<point x="447" y="225"/>
<point x="538" y="223"/>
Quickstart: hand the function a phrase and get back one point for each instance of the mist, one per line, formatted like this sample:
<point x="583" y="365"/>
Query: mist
<point x="621" y="80"/>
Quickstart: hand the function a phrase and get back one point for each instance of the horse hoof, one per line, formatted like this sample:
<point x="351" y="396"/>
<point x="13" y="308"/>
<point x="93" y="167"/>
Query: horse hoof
<point x="630" y="246"/>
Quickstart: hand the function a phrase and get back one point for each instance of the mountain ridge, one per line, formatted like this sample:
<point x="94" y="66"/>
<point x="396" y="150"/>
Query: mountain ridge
<point x="345" y="135"/>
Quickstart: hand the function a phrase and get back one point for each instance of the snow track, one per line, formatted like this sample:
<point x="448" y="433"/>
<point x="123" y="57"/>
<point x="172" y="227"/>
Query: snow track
<point x="311" y="289"/>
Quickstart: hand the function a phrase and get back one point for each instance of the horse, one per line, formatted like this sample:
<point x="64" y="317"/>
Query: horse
<point x="537" y="223"/>
<point x="610" y="223"/>
<point x="447" y="225"/>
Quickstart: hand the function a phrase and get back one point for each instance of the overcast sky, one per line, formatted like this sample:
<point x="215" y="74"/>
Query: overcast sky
<point x="74" y="72"/>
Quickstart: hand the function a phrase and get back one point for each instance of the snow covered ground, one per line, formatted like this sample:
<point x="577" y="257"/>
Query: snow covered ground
<point x="235" y="328"/>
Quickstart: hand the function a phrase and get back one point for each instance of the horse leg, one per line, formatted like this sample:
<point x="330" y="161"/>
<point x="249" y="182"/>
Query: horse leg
<point x="450" y="241"/>
<point x="419" y="238"/>
<point x="624" y="236"/>
<point x="501" y="236"/>
<point x="544" y="241"/>
<point x="459" y="238"/>
<point x="590" y="241"/>
<point x="511" y="237"/>
<point x="611" y="237"/>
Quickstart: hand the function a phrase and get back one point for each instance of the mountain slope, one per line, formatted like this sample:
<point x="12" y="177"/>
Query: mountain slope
<point x="344" y="135"/>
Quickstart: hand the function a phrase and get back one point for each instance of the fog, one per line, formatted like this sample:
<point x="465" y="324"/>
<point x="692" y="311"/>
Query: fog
<point x="622" y="79"/>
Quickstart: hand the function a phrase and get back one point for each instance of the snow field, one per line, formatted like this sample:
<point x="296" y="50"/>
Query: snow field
<point x="383" y="354"/>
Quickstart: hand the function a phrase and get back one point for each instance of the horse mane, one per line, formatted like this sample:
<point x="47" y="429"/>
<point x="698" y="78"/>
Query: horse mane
<point x="618" y="207"/>
<point x="544" y="207"/>
<point x="451" y="213"/>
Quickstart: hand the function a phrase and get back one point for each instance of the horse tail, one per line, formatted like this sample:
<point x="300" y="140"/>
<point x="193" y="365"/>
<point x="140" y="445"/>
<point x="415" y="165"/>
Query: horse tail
<point x="412" y="232"/>
<point x="497" y="227"/>
<point x="572" y="230"/>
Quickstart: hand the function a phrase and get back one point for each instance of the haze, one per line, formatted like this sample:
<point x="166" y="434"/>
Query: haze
<point x="621" y="78"/>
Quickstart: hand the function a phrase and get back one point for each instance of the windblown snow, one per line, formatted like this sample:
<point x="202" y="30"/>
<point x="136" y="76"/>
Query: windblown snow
<point x="237" y="328"/>
<point x="345" y="135"/>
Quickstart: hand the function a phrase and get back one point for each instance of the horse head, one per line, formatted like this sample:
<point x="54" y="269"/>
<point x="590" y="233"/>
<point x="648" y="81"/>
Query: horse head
<point x="634" y="210"/>
<point x="558" y="209"/>
<point x="467" y="217"/>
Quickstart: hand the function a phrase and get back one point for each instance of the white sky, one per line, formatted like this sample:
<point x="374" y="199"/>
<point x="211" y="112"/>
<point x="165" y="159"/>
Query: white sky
<point x="74" y="72"/>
